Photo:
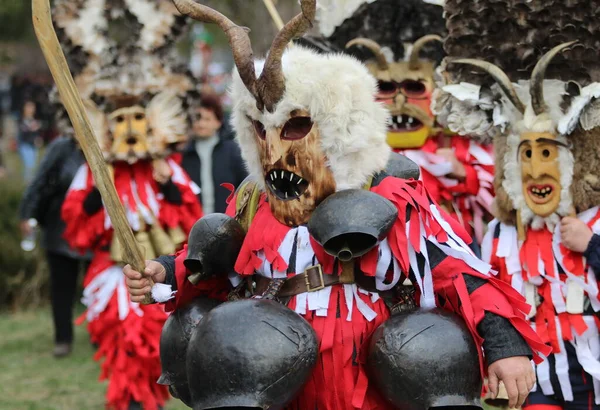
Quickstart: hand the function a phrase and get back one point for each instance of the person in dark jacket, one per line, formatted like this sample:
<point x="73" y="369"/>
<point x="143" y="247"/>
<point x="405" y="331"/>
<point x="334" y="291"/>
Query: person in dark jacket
<point x="43" y="201"/>
<point x="29" y="139"/>
<point x="211" y="160"/>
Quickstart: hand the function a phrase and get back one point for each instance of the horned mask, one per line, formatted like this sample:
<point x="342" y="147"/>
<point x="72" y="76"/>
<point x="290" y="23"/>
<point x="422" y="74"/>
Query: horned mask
<point x="538" y="128"/>
<point x="405" y="87"/>
<point x="309" y="124"/>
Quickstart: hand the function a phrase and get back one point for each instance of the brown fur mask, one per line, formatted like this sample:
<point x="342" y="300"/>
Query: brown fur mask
<point x="296" y="176"/>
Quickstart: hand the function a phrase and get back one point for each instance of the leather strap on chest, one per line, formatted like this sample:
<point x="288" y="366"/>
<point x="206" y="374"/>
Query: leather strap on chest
<point x="312" y="280"/>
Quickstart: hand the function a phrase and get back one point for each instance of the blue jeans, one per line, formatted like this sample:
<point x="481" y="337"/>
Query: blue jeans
<point x="28" y="154"/>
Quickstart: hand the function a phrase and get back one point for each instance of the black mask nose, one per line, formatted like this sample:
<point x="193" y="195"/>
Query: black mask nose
<point x="131" y="141"/>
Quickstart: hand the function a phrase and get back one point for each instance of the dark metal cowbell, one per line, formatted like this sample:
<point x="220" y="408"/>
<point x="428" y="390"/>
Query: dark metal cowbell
<point x="250" y="353"/>
<point x="400" y="166"/>
<point x="174" y="339"/>
<point x="350" y="223"/>
<point x="213" y="246"/>
<point x="425" y="359"/>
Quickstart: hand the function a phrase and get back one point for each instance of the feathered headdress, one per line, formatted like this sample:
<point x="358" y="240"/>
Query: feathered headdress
<point x="121" y="54"/>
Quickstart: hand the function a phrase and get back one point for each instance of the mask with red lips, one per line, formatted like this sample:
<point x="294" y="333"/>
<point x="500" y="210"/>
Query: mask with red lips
<point x="405" y="87"/>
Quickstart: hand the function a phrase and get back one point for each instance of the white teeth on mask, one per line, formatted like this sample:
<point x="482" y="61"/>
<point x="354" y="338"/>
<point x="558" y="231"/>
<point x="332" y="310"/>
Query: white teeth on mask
<point x="296" y="193"/>
<point x="399" y="119"/>
<point x="291" y="177"/>
<point x="299" y="181"/>
<point x="282" y="173"/>
<point x="286" y="195"/>
<point x="410" y="120"/>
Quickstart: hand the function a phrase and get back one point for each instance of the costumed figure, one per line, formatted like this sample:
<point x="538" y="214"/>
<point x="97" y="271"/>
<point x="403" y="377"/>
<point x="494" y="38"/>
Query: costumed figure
<point x="322" y="228"/>
<point x="539" y="105"/>
<point x="135" y="96"/>
<point x="396" y="38"/>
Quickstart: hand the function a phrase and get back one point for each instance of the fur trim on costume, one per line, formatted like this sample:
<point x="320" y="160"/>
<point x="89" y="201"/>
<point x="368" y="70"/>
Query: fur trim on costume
<point x="339" y="93"/>
<point x="332" y="13"/>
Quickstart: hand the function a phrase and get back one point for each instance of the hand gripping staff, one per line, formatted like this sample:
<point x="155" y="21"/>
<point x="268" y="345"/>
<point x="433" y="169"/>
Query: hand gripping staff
<point x="44" y="30"/>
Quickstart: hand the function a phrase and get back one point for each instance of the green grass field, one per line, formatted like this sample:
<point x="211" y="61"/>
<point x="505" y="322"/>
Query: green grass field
<point x="31" y="379"/>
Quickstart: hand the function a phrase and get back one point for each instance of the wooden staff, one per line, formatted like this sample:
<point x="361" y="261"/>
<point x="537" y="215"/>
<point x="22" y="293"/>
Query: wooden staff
<point x="44" y="30"/>
<point x="274" y="13"/>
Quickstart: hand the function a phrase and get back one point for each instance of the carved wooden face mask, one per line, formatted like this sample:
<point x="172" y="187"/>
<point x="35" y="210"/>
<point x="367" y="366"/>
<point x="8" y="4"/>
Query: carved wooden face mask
<point x="406" y="90"/>
<point x="540" y="172"/>
<point x="296" y="176"/>
<point x="129" y="130"/>
<point x="407" y="95"/>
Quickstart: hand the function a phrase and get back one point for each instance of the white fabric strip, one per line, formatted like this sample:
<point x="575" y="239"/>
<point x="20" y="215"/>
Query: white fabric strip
<point x="587" y="348"/>
<point x="98" y="293"/>
<point x="543" y="374"/>
<point x="79" y="183"/>
<point x="562" y="366"/>
<point x="481" y="155"/>
<point x="434" y="164"/>
<point x="488" y="242"/>
<point x="383" y="264"/>
<point x="141" y="208"/>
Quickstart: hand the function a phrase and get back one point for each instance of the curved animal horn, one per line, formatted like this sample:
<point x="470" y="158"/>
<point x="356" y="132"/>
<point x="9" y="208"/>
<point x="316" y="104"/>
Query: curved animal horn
<point x="536" y="89"/>
<point x="413" y="61"/>
<point x="374" y="48"/>
<point x="271" y="84"/>
<point x="237" y="36"/>
<point x="499" y="76"/>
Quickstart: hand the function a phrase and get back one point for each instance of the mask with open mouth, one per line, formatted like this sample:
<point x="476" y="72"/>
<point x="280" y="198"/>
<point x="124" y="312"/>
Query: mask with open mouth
<point x="538" y="156"/>
<point x="296" y="176"/>
<point x="405" y="87"/>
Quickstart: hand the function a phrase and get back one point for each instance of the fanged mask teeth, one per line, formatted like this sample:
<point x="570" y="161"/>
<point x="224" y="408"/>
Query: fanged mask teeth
<point x="285" y="184"/>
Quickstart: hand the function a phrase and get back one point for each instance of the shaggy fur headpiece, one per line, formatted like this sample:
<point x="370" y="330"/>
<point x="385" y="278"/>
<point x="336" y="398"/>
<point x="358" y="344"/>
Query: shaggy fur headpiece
<point x="339" y="94"/>
<point x="123" y="50"/>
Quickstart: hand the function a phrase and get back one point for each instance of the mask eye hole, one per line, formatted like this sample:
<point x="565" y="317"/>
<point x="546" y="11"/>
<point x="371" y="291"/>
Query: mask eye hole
<point x="528" y="153"/>
<point x="296" y="128"/>
<point x="120" y="118"/>
<point x="259" y="128"/>
<point x="412" y="88"/>
<point x="139" y="116"/>
<point x="387" y="89"/>
<point x="546" y="153"/>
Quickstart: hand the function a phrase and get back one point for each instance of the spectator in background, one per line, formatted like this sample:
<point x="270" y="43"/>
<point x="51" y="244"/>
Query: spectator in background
<point x="211" y="160"/>
<point x="43" y="201"/>
<point x="18" y="90"/>
<point x="2" y="167"/>
<point x="29" y="138"/>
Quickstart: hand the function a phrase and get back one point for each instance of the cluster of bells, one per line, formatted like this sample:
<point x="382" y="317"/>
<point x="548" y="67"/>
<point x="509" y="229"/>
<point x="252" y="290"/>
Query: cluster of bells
<point x="207" y="365"/>
<point x="154" y="241"/>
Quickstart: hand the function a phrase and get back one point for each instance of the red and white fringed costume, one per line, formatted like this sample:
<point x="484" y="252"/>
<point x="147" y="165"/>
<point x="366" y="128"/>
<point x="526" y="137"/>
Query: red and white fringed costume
<point x="127" y="334"/>
<point x="546" y="273"/>
<point x="344" y="316"/>
<point x="469" y="201"/>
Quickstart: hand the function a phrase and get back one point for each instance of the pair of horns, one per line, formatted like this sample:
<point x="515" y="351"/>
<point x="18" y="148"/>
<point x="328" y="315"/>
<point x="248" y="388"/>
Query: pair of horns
<point x="413" y="61"/>
<point x="268" y="89"/>
<point x="536" y="88"/>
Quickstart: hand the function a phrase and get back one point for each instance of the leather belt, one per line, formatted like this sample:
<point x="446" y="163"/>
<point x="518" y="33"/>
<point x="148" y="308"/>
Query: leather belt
<point x="311" y="280"/>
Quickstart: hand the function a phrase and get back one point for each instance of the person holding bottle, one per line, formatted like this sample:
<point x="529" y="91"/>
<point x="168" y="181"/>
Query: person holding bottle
<point x="42" y="203"/>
